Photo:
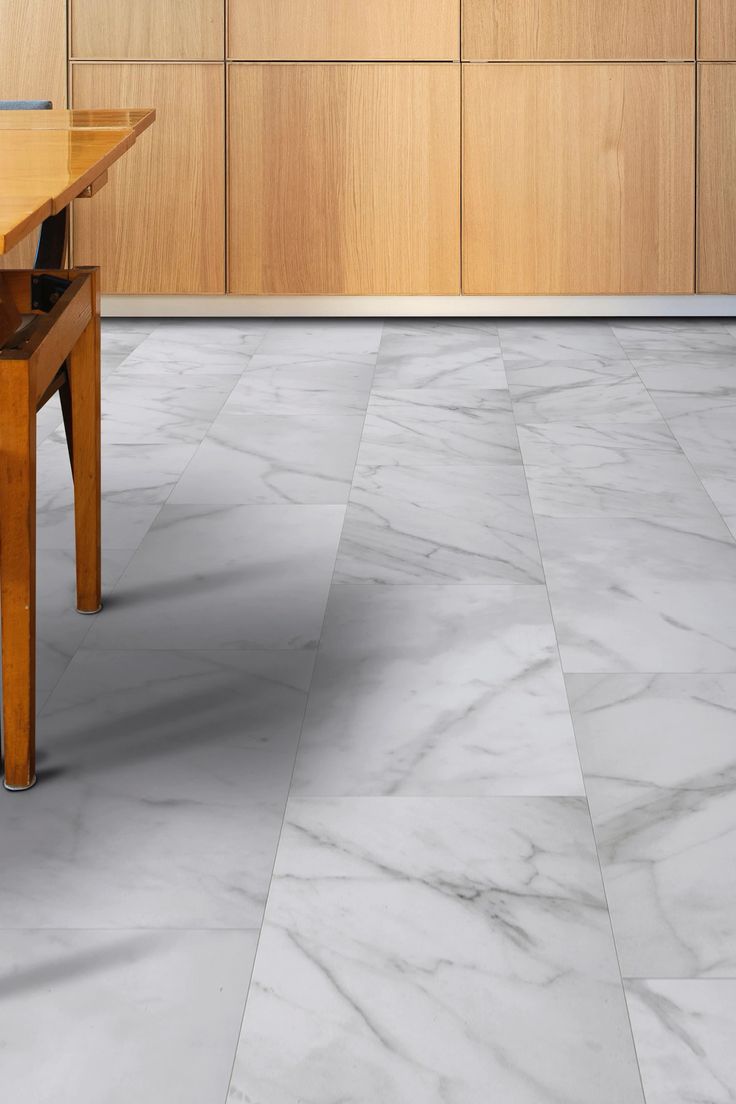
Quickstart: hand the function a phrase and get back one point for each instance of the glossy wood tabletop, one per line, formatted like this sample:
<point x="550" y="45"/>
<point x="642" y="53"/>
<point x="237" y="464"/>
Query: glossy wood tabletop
<point x="48" y="158"/>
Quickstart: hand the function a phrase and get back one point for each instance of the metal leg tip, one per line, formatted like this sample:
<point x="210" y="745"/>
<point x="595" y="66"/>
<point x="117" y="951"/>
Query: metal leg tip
<point x="18" y="789"/>
<point x="89" y="613"/>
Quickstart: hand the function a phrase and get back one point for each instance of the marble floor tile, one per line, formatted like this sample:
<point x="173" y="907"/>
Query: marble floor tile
<point x="160" y="409"/>
<point x="434" y="428"/>
<point x="708" y="439"/>
<point x="702" y="388"/>
<point x="48" y="420"/>
<point x="647" y="625"/>
<point x="196" y="349"/>
<point x="116" y="1016"/>
<point x="598" y="553"/>
<point x="684" y="1032"/>
<point x="358" y="338"/>
<point x="272" y="458"/>
<point x="412" y="948"/>
<point x="428" y="353"/>
<point x="540" y="438"/>
<point x="162" y="784"/>
<point x="136" y="480"/>
<point x="567" y="394"/>
<point x="578" y="345"/>
<point x="298" y="384"/>
<point x="606" y="481"/>
<point x="649" y="339"/>
<point x="60" y="630"/>
<point x="437" y="690"/>
<point x="460" y="524"/>
<point x="659" y="763"/>
<point x="121" y="336"/>
<point x="243" y="577"/>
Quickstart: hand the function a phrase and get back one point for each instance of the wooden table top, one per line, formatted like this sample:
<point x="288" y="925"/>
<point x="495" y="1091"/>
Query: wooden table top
<point x="47" y="158"/>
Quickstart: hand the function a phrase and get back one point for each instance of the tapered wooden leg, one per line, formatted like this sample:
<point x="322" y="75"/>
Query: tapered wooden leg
<point x="18" y="572"/>
<point x="83" y="424"/>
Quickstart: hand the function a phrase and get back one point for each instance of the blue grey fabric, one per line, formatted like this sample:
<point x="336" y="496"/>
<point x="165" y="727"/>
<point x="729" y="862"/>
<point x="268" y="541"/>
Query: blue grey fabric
<point x="25" y="105"/>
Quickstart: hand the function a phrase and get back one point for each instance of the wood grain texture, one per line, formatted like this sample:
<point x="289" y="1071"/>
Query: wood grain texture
<point x="717" y="30"/>
<point x="322" y="30"/>
<point x="159" y="225"/>
<point x="32" y="67"/>
<point x="539" y="30"/>
<point x="178" y="30"/>
<point x="717" y="179"/>
<point x="579" y="179"/>
<point x="344" y="179"/>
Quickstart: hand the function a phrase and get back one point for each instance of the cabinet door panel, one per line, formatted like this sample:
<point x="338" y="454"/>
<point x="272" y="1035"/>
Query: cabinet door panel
<point x="32" y="67"/>
<point x="579" y="179"/>
<point x="717" y="29"/>
<point x="187" y="30"/>
<point x="344" y="179"/>
<point x="538" y="30"/>
<point x="717" y="180"/>
<point x="351" y="30"/>
<point x="159" y="225"/>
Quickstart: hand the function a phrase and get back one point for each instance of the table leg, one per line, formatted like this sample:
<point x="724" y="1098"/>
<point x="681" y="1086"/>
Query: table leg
<point x="81" y="404"/>
<point x="18" y="572"/>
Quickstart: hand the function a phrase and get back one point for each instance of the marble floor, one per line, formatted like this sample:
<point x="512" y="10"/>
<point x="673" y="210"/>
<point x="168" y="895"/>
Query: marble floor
<point x="400" y="765"/>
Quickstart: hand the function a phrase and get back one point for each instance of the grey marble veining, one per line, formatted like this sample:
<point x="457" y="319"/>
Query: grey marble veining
<point x="703" y="387"/>
<point x="659" y="761"/>
<point x="426" y="951"/>
<point x="607" y="481"/>
<point x="264" y="458"/>
<point x="299" y="383"/>
<point x="438" y="427"/>
<point x="165" y="776"/>
<point x="358" y="338"/>
<point x="161" y="408"/>
<point x="684" y="1032"/>
<point x="421" y="353"/>
<point x="598" y="553"/>
<point x="579" y="347"/>
<point x="241" y="577"/>
<point x="437" y="690"/>
<point x="647" y="625"/>
<point x="114" y="1016"/>
<point x="462" y="524"/>
<point x="437" y="931"/>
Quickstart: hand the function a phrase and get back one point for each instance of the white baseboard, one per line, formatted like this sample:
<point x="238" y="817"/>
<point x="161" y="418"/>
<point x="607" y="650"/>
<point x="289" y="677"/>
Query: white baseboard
<point x="441" y="306"/>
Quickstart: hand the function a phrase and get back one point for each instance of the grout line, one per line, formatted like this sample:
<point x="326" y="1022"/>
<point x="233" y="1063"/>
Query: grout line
<point x="584" y="780"/>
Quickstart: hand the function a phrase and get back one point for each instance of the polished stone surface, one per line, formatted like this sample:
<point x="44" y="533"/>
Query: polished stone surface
<point x="412" y="949"/>
<point x="384" y="603"/>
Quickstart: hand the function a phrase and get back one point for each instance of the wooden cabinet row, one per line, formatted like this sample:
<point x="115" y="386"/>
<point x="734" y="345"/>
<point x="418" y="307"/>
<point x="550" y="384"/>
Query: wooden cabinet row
<point x="346" y="179"/>
<point x="412" y="30"/>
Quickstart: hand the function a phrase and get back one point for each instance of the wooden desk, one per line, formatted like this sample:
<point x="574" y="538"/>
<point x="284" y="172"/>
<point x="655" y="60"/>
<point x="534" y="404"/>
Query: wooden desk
<point x="47" y="159"/>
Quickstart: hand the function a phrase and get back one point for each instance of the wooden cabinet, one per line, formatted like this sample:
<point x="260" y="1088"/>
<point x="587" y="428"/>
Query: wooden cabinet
<point x="717" y="179"/>
<point x="578" y="179"/>
<point x="344" y="179"/>
<point x="539" y="30"/>
<point x="159" y="225"/>
<point x="717" y="29"/>
<point x="352" y="30"/>
<point x="32" y="67"/>
<point x="187" y="30"/>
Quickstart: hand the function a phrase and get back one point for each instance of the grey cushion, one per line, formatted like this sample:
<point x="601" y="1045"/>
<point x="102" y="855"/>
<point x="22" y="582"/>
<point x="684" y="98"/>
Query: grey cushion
<point x="25" y="105"/>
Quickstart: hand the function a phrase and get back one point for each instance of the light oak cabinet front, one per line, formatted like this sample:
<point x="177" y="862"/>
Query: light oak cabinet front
<point x="159" y="225"/>
<point x="717" y="30"/>
<point x="717" y="180"/>
<point x="351" y="30"/>
<point x="184" y="30"/>
<point x="32" y="67"/>
<point x="344" y="179"/>
<point x="578" y="179"/>
<point x="570" y="30"/>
